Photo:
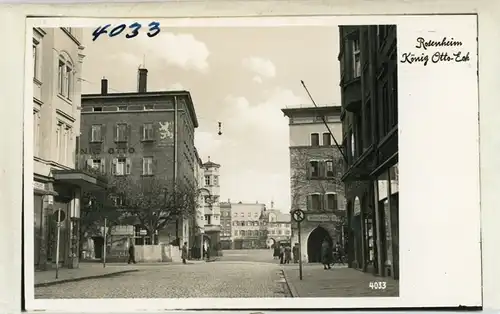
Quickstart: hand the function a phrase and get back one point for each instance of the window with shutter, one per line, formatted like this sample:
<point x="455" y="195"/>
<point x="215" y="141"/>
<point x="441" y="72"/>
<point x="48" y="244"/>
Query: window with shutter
<point x="147" y="132"/>
<point x="314" y="169"/>
<point x="96" y="133"/>
<point x="331" y="201"/>
<point x="121" y="130"/>
<point x="329" y="168"/>
<point x="316" y="202"/>
<point x="121" y="165"/>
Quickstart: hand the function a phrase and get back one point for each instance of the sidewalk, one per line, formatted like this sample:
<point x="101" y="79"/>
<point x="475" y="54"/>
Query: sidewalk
<point x="85" y="271"/>
<point x="338" y="282"/>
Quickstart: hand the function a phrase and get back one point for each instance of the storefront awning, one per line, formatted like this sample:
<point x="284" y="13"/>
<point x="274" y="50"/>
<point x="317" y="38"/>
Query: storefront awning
<point x="87" y="181"/>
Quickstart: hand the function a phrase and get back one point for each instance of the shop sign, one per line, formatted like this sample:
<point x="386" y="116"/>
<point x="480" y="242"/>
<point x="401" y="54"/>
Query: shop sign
<point x="321" y="217"/>
<point x="38" y="185"/>
<point x="111" y="150"/>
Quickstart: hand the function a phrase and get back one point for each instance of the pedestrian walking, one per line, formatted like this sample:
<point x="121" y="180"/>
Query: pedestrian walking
<point x="282" y="254"/>
<point x="288" y="254"/>
<point x="326" y="254"/>
<point x="276" y="251"/>
<point x="131" y="253"/>
<point x="184" y="253"/>
<point x="295" y="252"/>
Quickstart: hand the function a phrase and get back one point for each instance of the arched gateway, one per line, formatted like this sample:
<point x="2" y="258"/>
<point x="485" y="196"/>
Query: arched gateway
<point x="314" y="242"/>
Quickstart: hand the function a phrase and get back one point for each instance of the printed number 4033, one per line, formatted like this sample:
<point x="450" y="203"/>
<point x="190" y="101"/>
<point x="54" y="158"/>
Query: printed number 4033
<point x="378" y="285"/>
<point x="153" y="30"/>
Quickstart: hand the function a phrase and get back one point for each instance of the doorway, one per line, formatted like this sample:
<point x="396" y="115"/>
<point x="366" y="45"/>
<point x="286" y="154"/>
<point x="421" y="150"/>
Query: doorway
<point x="314" y="242"/>
<point x="98" y="247"/>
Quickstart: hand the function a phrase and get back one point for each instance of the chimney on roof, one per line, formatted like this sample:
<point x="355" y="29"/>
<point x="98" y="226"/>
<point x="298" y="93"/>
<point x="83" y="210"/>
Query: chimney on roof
<point x="272" y="204"/>
<point x="104" y="86"/>
<point x="142" y="80"/>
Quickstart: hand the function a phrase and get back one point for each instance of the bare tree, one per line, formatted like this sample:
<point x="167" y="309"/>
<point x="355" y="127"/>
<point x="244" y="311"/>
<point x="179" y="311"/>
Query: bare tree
<point x="152" y="201"/>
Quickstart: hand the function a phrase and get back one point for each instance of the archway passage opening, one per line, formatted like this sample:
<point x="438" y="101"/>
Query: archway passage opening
<point x="314" y="242"/>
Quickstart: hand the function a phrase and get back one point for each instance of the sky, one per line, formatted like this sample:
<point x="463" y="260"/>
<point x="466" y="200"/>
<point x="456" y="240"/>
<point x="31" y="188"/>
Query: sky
<point x="241" y="77"/>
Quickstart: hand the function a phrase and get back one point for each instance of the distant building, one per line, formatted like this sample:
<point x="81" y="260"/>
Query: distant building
<point x="246" y="226"/>
<point x="199" y="225"/>
<point x="211" y="197"/>
<point x="369" y="87"/>
<point x="140" y="134"/>
<point x="58" y="181"/>
<point x="278" y="227"/>
<point x="316" y="170"/>
<point x="225" y="223"/>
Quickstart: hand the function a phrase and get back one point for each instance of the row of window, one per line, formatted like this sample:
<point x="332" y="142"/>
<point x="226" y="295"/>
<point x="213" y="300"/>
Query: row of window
<point x="319" y="201"/>
<point x="122" y="166"/>
<point x="321" y="169"/>
<point x="256" y="215"/>
<point x="121" y="132"/>
<point x="315" y="139"/>
<point x="250" y="233"/>
<point x="279" y="232"/>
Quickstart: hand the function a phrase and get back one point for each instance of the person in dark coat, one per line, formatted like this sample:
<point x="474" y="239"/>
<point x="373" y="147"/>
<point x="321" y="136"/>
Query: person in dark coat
<point x="131" y="253"/>
<point x="326" y="254"/>
<point x="295" y="252"/>
<point x="282" y="254"/>
<point x="184" y="254"/>
<point x="276" y="251"/>
<point x="288" y="254"/>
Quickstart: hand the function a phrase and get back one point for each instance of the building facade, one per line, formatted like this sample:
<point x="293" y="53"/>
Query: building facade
<point x="368" y="62"/>
<point x="58" y="182"/>
<point x="212" y="212"/>
<point x="196" y="247"/>
<point x="246" y="226"/>
<point x="315" y="177"/>
<point x="278" y="227"/>
<point x="141" y="135"/>
<point x="225" y="223"/>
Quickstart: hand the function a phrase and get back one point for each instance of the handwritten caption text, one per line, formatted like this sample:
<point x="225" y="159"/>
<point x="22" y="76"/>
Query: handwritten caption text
<point x="425" y="55"/>
<point x="133" y="30"/>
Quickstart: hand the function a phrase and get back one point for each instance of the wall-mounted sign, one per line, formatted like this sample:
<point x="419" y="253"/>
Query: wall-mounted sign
<point x="321" y="217"/>
<point x="111" y="150"/>
<point x="38" y="185"/>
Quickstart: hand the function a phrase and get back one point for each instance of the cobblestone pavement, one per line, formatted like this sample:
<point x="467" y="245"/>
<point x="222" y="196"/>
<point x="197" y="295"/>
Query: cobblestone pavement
<point x="337" y="282"/>
<point x="217" y="279"/>
<point x="257" y="255"/>
<point x="84" y="270"/>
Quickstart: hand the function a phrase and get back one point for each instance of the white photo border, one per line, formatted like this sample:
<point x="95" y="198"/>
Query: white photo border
<point x="431" y="276"/>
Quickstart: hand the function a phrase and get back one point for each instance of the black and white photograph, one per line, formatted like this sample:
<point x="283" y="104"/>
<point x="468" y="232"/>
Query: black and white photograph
<point x="157" y="176"/>
<point x="176" y="162"/>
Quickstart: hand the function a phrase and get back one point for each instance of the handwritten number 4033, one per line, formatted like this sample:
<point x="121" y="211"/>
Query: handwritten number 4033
<point x="153" y="30"/>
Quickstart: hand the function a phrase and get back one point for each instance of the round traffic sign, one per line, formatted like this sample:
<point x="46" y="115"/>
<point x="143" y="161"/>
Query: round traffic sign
<point x="59" y="215"/>
<point x="298" y="215"/>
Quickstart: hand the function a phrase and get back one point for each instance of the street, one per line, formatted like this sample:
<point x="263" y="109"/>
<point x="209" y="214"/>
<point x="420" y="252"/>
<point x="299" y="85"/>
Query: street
<point x="235" y="275"/>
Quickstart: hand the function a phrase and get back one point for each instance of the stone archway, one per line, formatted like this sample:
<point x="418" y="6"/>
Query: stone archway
<point x="314" y="241"/>
<point x="270" y="243"/>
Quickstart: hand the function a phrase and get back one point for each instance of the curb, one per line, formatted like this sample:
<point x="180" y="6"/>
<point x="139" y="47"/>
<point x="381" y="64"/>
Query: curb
<point x="291" y="288"/>
<point x="51" y="283"/>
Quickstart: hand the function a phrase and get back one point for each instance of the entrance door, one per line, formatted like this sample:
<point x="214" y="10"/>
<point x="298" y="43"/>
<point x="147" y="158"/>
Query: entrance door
<point x="98" y="247"/>
<point x="314" y="242"/>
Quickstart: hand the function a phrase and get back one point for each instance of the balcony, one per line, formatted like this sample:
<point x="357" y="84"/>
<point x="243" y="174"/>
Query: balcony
<point x="84" y="176"/>
<point x="351" y="95"/>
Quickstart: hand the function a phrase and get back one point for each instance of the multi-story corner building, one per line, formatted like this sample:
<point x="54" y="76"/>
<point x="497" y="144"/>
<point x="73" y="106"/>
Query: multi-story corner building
<point x="225" y="224"/>
<point x="211" y="197"/>
<point x="369" y="87"/>
<point x="58" y="183"/>
<point x="316" y="170"/>
<point x="246" y="225"/>
<point x="278" y="227"/>
<point x="141" y="134"/>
